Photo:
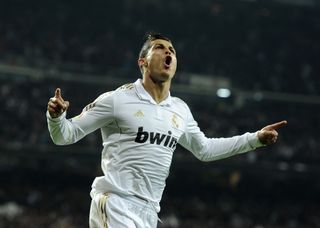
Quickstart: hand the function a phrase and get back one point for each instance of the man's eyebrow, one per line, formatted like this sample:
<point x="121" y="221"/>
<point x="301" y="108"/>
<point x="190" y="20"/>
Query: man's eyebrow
<point x="171" y="47"/>
<point x="162" y="45"/>
<point x="158" y="44"/>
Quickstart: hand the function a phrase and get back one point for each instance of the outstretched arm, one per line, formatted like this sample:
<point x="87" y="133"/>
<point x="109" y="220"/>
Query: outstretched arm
<point x="67" y="131"/>
<point x="209" y="149"/>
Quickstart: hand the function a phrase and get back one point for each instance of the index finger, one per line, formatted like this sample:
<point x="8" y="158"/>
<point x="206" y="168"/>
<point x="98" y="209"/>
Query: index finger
<point x="278" y="125"/>
<point x="57" y="93"/>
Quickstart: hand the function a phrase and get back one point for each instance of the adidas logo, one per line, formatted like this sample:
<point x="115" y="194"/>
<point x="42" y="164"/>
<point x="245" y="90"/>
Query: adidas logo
<point x="139" y="114"/>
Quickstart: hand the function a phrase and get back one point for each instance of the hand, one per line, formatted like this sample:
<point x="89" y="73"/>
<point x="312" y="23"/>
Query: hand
<point x="268" y="135"/>
<point x="56" y="104"/>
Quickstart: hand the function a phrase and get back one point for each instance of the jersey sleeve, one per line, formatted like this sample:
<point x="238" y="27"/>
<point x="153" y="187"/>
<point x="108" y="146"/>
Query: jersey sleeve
<point x="210" y="149"/>
<point x="98" y="114"/>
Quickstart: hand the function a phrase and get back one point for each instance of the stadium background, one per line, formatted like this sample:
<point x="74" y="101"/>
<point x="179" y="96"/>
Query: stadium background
<point x="265" y="52"/>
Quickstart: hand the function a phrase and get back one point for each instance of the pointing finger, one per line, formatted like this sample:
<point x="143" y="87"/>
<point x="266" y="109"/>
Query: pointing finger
<point x="57" y="93"/>
<point x="276" y="126"/>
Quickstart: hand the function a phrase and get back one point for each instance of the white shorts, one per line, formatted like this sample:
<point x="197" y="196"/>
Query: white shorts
<point x="114" y="211"/>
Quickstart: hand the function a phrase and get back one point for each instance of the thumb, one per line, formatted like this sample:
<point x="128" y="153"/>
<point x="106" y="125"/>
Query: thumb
<point x="57" y="93"/>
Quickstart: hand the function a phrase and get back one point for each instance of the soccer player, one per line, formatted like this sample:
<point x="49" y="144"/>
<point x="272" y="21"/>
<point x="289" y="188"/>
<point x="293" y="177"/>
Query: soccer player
<point x="141" y="124"/>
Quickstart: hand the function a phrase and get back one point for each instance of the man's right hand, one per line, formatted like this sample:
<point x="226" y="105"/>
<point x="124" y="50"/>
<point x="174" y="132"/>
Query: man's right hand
<point x="56" y="104"/>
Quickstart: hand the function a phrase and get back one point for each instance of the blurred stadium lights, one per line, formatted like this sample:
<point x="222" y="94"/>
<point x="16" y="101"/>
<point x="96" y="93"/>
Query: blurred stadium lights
<point x="40" y="74"/>
<point x="194" y="84"/>
<point x="223" y="93"/>
<point x="278" y="96"/>
<point x="201" y="84"/>
<point x="208" y="81"/>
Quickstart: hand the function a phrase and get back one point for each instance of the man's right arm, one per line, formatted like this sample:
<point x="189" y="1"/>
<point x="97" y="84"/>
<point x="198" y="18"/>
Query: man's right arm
<point x="96" y="115"/>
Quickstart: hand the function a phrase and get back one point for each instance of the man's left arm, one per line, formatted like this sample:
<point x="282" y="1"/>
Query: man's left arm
<point x="210" y="149"/>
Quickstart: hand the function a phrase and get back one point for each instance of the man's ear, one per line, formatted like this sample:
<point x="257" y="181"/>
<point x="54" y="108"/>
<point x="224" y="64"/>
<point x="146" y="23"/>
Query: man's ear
<point x="142" y="62"/>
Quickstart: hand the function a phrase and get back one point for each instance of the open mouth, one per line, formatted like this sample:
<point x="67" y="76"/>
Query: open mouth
<point x="167" y="61"/>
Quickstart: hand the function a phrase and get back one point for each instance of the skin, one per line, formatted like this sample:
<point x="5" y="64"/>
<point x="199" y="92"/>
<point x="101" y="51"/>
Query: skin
<point x="157" y="77"/>
<point x="269" y="135"/>
<point x="57" y="105"/>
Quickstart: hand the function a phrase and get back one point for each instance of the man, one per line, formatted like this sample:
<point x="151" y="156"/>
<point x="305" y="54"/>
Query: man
<point x="141" y="125"/>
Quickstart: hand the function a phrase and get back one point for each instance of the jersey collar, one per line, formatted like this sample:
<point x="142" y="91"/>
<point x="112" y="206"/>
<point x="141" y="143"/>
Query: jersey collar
<point x="144" y="95"/>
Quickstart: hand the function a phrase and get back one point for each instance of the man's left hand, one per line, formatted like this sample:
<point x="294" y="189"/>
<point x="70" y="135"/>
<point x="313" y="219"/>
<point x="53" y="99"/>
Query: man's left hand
<point x="269" y="135"/>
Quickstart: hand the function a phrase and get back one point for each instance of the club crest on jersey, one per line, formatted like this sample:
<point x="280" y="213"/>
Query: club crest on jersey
<point x="156" y="138"/>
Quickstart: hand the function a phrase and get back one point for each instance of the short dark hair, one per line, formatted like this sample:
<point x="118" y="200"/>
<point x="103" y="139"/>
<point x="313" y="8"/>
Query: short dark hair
<point x="149" y="37"/>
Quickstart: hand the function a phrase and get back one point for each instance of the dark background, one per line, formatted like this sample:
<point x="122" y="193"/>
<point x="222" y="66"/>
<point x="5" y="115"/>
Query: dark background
<point x="265" y="52"/>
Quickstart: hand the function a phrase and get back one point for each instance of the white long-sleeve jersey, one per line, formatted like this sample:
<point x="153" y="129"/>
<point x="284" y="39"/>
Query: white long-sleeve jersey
<point x="139" y="138"/>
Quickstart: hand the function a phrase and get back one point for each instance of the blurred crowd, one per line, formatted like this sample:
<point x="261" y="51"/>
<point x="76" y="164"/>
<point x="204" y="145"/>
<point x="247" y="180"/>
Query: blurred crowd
<point x="258" y="46"/>
<point x="64" y="202"/>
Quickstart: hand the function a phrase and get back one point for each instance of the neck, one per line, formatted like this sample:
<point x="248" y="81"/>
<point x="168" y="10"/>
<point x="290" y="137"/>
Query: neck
<point x="159" y="91"/>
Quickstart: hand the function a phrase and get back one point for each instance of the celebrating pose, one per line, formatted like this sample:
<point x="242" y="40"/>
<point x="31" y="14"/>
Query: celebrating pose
<point x="141" y="125"/>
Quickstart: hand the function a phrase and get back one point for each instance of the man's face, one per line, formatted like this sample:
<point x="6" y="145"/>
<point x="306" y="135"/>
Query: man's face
<point x="161" y="61"/>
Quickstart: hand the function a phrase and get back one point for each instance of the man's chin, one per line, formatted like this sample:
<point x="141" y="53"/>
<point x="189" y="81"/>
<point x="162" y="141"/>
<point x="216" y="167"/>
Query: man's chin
<point x="161" y="78"/>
